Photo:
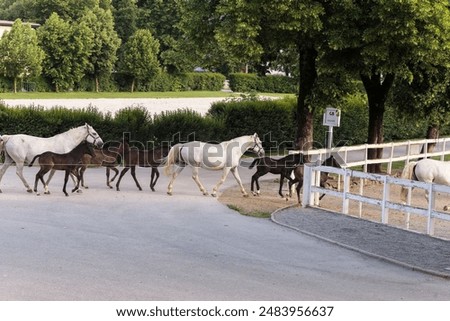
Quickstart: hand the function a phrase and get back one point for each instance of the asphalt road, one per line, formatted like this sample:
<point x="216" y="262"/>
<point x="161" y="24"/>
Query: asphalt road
<point x="131" y="245"/>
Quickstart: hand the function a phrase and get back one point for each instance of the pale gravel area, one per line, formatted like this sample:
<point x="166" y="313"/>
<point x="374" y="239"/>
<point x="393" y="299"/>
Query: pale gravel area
<point x="153" y="105"/>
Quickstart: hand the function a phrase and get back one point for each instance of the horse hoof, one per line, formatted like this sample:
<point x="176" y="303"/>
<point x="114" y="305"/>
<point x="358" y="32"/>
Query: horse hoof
<point x="446" y="208"/>
<point x="169" y="193"/>
<point x="152" y="189"/>
<point x="213" y="194"/>
<point x="47" y="193"/>
<point x="79" y="191"/>
<point x="245" y="195"/>
<point x="29" y="190"/>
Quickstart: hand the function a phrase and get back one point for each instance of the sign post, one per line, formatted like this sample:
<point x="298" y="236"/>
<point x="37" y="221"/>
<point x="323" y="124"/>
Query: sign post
<point x="331" y="118"/>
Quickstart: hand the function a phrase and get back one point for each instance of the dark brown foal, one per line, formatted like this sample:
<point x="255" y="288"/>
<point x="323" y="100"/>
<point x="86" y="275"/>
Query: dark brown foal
<point x="133" y="157"/>
<point x="106" y="157"/>
<point x="67" y="162"/>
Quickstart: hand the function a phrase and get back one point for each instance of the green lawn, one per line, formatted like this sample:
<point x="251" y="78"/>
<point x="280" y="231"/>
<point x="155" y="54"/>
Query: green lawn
<point x="124" y="95"/>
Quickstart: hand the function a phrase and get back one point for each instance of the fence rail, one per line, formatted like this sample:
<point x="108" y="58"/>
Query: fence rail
<point x="311" y="190"/>
<point x="406" y="151"/>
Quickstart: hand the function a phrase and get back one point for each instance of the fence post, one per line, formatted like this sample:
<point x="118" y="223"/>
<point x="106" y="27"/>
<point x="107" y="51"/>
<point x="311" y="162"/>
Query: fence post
<point x="384" y="209"/>
<point x="431" y="203"/>
<point x="307" y="182"/>
<point x="346" y="189"/>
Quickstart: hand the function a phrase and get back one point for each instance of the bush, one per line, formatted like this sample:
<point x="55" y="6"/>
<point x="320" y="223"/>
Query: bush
<point x="241" y="82"/>
<point x="272" y="120"/>
<point x="186" y="125"/>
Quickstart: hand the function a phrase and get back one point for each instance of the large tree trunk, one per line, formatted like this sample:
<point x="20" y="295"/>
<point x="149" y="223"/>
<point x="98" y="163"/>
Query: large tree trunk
<point x="432" y="133"/>
<point x="377" y="90"/>
<point x="305" y="112"/>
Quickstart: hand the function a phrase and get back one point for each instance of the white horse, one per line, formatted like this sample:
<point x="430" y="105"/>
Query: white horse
<point x="224" y="156"/>
<point x="426" y="170"/>
<point x="21" y="149"/>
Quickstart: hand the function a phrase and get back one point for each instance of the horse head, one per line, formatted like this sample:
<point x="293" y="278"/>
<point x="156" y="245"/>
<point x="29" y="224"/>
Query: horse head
<point x="257" y="147"/>
<point x="93" y="137"/>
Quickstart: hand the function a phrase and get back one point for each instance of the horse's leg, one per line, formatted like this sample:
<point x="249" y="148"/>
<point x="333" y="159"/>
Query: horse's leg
<point x="19" y="172"/>
<point x="255" y="180"/>
<point x="174" y="175"/>
<point x="299" y="187"/>
<point x="153" y="181"/>
<point x="116" y="172"/>
<point x="79" y="179"/>
<point x="66" y="178"/>
<point x="226" y="171"/>
<point x="133" y="173"/>
<point x="49" y="178"/>
<point x="280" y="190"/>
<point x="39" y="176"/>
<point x="81" y="176"/>
<point x="108" y="172"/>
<point x="123" y="172"/>
<point x="197" y="180"/>
<point x="235" y="172"/>
<point x="8" y="162"/>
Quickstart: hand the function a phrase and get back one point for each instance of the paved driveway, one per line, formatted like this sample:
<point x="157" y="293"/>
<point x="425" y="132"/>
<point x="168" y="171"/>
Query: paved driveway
<point x="131" y="245"/>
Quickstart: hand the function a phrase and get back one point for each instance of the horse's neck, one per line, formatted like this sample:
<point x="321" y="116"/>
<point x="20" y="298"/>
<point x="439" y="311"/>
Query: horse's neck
<point x="74" y="135"/>
<point x="244" y="142"/>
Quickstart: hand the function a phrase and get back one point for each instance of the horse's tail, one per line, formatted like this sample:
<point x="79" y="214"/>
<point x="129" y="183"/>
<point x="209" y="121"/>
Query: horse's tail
<point x="171" y="159"/>
<point x="34" y="158"/>
<point x="407" y="173"/>
<point x="255" y="162"/>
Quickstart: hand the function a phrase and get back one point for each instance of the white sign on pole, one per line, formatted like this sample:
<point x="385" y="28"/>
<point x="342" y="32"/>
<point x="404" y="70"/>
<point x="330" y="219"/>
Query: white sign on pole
<point x="332" y="117"/>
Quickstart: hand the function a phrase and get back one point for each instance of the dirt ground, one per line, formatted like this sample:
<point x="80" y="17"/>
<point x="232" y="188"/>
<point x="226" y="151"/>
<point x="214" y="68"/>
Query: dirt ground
<point x="269" y="201"/>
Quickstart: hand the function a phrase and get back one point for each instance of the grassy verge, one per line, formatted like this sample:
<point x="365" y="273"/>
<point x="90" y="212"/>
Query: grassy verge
<point x="257" y="214"/>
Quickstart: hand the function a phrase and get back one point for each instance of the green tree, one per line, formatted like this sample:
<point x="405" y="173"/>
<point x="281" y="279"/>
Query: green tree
<point x="162" y="17"/>
<point x="105" y="43"/>
<point x="68" y="46"/>
<point x="383" y="41"/>
<point x="125" y="14"/>
<point x="21" y="56"/>
<point x="140" y="58"/>
<point x="245" y="30"/>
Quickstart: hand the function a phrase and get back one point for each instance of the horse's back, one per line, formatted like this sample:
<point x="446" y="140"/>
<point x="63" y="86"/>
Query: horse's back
<point x="22" y="147"/>
<point x="431" y="170"/>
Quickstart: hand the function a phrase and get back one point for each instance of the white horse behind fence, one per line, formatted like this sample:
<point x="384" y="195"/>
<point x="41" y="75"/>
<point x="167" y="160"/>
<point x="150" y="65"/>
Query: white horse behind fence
<point x="21" y="149"/>
<point x="224" y="156"/>
<point x="428" y="171"/>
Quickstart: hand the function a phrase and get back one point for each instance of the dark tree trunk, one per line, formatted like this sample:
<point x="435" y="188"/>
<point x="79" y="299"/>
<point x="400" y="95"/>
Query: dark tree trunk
<point x="97" y="84"/>
<point x="305" y="112"/>
<point x="432" y="133"/>
<point x="377" y="90"/>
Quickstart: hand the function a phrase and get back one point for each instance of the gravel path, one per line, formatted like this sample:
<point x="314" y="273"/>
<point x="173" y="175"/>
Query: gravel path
<point x="416" y="251"/>
<point x="154" y="105"/>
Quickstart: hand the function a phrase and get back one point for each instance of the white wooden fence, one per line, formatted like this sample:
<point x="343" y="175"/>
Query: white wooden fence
<point x="358" y="156"/>
<point x="392" y="152"/>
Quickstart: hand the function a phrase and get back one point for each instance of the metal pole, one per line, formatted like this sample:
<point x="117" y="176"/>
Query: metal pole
<point x="330" y="137"/>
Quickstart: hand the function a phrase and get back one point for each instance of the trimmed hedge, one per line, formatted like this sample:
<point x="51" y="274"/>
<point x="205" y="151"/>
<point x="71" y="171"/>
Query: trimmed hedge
<point x="273" y="120"/>
<point x="241" y="82"/>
